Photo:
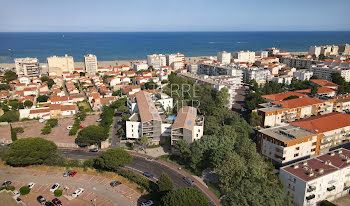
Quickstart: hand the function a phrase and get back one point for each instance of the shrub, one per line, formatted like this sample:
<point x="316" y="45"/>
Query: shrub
<point x="24" y="190"/>
<point x="136" y="178"/>
<point x="73" y="131"/>
<point x="19" y="129"/>
<point x="52" y="122"/>
<point x="12" y="188"/>
<point x="46" y="130"/>
<point x="58" y="193"/>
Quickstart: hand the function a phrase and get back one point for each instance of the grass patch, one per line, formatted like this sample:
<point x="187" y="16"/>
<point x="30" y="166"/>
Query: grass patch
<point x="214" y="188"/>
<point x="85" y="105"/>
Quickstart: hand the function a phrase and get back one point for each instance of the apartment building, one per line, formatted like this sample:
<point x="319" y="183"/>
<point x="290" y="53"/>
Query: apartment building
<point x="260" y="75"/>
<point x="224" y="57"/>
<point x="192" y="68"/>
<point x="303" y="75"/>
<point x="281" y="96"/>
<point x="156" y="60"/>
<point x="90" y="61"/>
<point x="187" y="126"/>
<point x="328" y="50"/>
<point x="58" y="65"/>
<point x="27" y="67"/>
<point x="344" y="49"/>
<point x="244" y="56"/>
<point x="298" y="62"/>
<point x="262" y="54"/>
<point x="314" y="50"/>
<point x="140" y="66"/>
<point x="323" y="83"/>
<point x="325" y="177"/>
<point x="324" y="71"/>
<point x="280" y="112"/>
<point x="304" y="138"/>
<point x="175" y="61"/>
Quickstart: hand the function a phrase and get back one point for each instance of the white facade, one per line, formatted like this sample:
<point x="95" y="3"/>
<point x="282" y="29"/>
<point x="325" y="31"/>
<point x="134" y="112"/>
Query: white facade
<point x="198" y="132"/>
<point x="244" y="56"/>
<point x="133" y="129"/>
<point x="156" y="60"/>
<point x="140" y="66"/>
<point x="323" y="71"/>
<point x="258" y="74"/>
<point x="171" y="58"/>
<point x="262" y="54"/>
<point x="90" y="61"/>
<point x="283" y="79"/>
<point x="224" y="57"/>
<point x="27" y="66"/>
<point x="192" y="68"/>
<point x="60" y="64"/>
<point x="315" y="50"/>
<point x="329" y="50"/>
<point x="303" y="75"/>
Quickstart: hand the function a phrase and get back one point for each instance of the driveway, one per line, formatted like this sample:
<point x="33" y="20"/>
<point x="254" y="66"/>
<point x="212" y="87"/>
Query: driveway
<point x="96" y="188"/>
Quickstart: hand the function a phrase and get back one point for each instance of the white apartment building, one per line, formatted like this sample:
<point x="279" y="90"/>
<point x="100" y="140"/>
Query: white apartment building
<point x="224" y="57"/>
<point x="244" y="56"/>
<point x="27" y="66"/>
<point x="323" y="71"/>
<point x="329" y="50"/>
<point x="314" y="50"/>
<point x="325" y="177"/>
<point x="156" y="60"/>
<point x="171" y="58"/>
<point x="303" y="75"/>
<point x="260" y="75"/>
<point x="344" y="49"/>
<point x="284" y="79"/>
<point x="262" y="54"/>
<point x="58" y="65"/>
<point x="192" y="68"/>
<point x="90" y="61"/>
<point x="140" y="66"/>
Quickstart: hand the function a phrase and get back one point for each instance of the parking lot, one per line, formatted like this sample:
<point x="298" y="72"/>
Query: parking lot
<point x="97" y="188"/>
<point x="60" y="134"/>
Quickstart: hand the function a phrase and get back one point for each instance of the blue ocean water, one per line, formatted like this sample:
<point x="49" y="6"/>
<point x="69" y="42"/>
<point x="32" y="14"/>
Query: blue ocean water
<point x="136" y="45"/>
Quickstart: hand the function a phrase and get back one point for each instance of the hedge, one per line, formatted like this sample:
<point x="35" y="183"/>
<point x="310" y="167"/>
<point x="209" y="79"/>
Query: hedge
<point x="12" y="188"/>
<point x="142" y="181"/>
<point x="58" y="193"/>
<point x="24" y="190"/>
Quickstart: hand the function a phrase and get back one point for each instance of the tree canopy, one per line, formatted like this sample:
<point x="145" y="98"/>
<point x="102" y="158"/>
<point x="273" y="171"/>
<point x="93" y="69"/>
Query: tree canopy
<point x="9" y="116"/>
<point x="42" y="98"/>
<point x="185" y="196"/>
<point x="91" y="135"/>
<point x="30" y="151"/>
<point x="165" y="183"/>
<point x="113" y="159"/>
<point x="9" y="76"/>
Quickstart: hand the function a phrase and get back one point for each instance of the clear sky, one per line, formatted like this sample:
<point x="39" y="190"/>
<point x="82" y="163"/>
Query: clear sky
<point x="175" y="15"/>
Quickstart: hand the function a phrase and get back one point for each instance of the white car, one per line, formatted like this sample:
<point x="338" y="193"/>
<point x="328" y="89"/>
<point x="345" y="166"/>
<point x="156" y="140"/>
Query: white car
<point x="41" y="120"/>
<point x="77" y="192"/>
<point x="16" y="193"/>
<point x="148" y="203"/>
<point x="69" y="127"/>
<point x="99" y="120"/>
<point x="31" y="185"/>
<point x="54" y="187"/>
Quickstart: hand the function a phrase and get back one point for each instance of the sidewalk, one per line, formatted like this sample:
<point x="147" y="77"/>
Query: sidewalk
<point x="199" y="184"/>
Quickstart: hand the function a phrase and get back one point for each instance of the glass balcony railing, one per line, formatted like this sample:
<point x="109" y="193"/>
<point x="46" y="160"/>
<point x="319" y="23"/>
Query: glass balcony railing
<point x="331" y="188"/>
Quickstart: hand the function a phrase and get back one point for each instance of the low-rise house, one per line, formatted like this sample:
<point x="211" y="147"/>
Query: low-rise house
<point x="323" y="83"/>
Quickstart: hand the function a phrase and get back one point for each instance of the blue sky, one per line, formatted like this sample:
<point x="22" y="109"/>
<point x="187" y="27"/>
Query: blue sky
<point x="179" y="15"/>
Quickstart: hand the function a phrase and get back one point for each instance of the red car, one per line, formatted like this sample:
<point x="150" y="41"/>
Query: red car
<point x="57" y="202"/>
<point x="71" y="174"/>
<point x="81" y="127"/>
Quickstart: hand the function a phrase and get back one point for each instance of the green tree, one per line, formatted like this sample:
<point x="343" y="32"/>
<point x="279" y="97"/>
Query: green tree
<point x="222" y="98"/>
<point x="14" y="104"/>
<point x="255" y="119"/>
<point x="113" y="159"/>
<point x="30" y="151"/>
<point x="314" y="77"/>
<point x="13" y="133"/>
<point x="52" y="122"/>
<point x="9" y="76"/>
<point x="314" y="90"/>
<point x="28" y="103"/>
<point x="150" y="85"/>
<point x="185" y="196"/>
<point x="326" y="203"/>
<point x="143" y="142"/>
<point x="165" y="183"/>
<point x="9" y="116"/>
<point x="24" y="190"/>
<point x="42" y="98"/>
<point x="116" y="93"/>
<point x="5" y="87"/>
<point x="46" y="130"/>
<point x="91" y="135"/>
<point x="183" y="149"/>
<point x="58" y="193"/>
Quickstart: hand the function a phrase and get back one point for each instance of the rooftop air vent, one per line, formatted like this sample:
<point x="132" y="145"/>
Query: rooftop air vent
<point x="296" y="166"/>
<point x="320" y="170"/>
<point x="340" y="151"/>
<point x="310" y="174"/>
<point x="305" y="163"/>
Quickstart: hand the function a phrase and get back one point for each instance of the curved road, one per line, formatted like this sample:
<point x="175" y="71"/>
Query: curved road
<point x="139" y="164"/>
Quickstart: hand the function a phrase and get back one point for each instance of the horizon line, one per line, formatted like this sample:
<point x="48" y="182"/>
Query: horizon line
<point x="168" y="31"/>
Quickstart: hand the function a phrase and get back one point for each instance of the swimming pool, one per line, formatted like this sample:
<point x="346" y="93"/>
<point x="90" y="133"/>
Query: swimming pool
<point x="172" y="117"/>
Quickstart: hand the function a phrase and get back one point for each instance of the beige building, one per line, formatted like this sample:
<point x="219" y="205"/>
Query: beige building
<point x="244" y="56"/>
<point x="344" y="49"/>
<point x="27" y="66"/>
<point x="58" y="65"/>
<point x="224" y="57"/>
<point x="90" y="61"/>
<point x="175" y="61"/>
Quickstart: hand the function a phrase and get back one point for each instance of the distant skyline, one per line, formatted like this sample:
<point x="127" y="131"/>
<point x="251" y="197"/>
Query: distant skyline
<point x="180" y="15"/>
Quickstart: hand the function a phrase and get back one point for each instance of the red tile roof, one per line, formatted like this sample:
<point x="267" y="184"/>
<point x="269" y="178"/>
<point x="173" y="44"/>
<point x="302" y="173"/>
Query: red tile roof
<point x="300" y="102"/>
<point x="281" y="96"/>
<point x="323" y="83"/>
<point x="324" y="123"/>
<point x="321" y="90"/>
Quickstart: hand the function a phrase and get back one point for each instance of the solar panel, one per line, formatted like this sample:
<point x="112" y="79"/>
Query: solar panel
<point x="156" y="115"/>
<point x="149" y="101"/>
<point x="189" y="122"/>
<point x="152" y="107"/>
<point x="192" y="112"/>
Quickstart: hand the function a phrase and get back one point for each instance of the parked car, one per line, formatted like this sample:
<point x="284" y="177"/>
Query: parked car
<point x="99" y="120"/>
<point x="147" y="174"/>
<point x="115" y="183"/>
<point x="188" y="180"/>
<point x="2" y="144"/>
<point x="93" y="150"/>
<point x="69" y="127"/>
<point x="65" y="174"/>
<point x="41" y="120"/>
<point x="72" y="173"/>
<point x="58" y="125"/>
<point x="16" y="193"/>
<point x="49" y="204"/>
<point x="77" y="192"/>
<point x="54" y="187"/>
<point x="81" y="127"/>
<point x="57" y="202"/>
<point x="31" y="185"/>
<point x="147" y="203"/>
<point x="41" y="200"/>
<point x="6" y="183"/>
<point x="149" y="158"/>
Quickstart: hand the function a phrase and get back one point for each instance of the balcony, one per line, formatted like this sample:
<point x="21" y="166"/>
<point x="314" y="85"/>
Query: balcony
<point x="311" y="188"/>
<point x="331" y="188"/>
<point x="310" y="197"/>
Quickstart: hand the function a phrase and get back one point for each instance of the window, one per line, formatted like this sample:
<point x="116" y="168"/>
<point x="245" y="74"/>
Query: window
<point x="312" y="150"/>
<point x="314" y="143"/>
<point x="297" y="154"/>
<point x="298" y="148"/>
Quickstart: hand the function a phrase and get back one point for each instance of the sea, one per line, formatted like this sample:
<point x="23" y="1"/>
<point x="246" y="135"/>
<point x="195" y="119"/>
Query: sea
<point x="108" y="46"/>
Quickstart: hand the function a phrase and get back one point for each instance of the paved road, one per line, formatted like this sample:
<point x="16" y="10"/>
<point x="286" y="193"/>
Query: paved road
<point x="239" y="99"/>
<point x="105" y="190"/>
<point x="115" y="140"/>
